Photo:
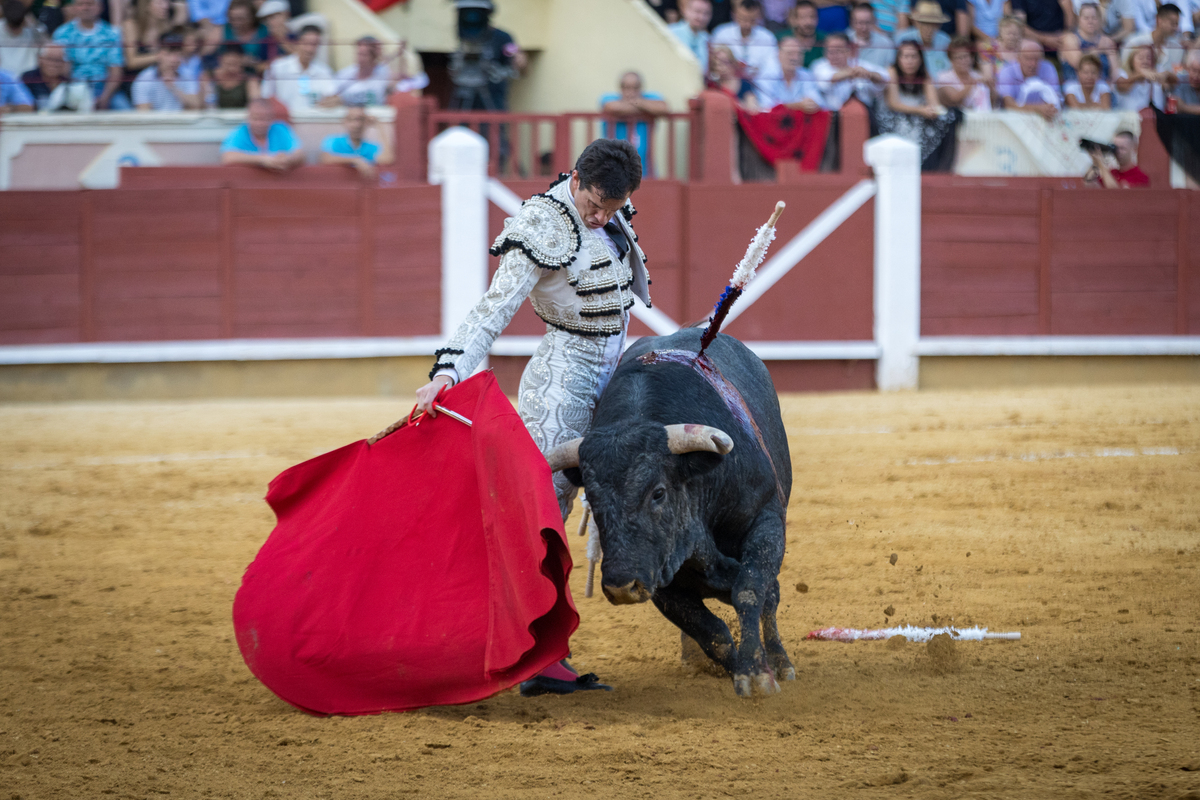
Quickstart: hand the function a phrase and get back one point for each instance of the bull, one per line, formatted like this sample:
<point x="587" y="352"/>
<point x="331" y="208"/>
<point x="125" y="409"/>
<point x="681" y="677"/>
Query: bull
<point x="688" y="474"/>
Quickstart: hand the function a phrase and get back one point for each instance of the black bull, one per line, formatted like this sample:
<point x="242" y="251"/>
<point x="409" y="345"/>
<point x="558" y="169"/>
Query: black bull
<point x="688" y="473"/>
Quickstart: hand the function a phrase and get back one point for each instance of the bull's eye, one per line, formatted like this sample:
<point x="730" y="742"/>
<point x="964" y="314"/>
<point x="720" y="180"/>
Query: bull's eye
<point x="659" y="494"/>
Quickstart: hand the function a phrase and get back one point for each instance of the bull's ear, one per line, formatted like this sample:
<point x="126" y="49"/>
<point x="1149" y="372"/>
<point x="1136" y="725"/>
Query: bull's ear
<point x="701" y="462"/>
<point x="574" y="475"/>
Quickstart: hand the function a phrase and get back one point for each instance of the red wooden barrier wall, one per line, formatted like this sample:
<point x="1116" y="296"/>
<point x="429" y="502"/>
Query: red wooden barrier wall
<point x="1030" y="257"/>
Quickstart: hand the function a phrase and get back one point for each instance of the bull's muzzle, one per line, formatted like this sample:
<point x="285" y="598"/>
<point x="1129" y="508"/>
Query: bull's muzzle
<point x="630" y="593"/>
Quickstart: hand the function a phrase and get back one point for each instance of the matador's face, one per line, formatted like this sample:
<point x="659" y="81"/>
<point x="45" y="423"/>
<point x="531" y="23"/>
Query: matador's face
<point x="593" y="208"/>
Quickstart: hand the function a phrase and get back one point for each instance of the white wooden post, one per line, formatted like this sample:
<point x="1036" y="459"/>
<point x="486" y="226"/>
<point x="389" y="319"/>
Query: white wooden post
<point x="897" y="165"/>
<point x="458" y="161"/>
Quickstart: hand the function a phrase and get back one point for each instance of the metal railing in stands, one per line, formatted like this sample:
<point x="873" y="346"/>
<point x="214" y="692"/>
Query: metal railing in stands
<point x="539" y="145"/>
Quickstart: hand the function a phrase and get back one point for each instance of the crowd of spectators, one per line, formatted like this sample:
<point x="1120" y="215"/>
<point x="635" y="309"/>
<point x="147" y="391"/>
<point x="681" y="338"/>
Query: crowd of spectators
<point x="917" y="67"/>
<point x="169" y="55"/>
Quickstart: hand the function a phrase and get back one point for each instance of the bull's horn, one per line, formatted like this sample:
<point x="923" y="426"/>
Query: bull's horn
<point x="690" y="438"/>
<point x="564" y="456"/>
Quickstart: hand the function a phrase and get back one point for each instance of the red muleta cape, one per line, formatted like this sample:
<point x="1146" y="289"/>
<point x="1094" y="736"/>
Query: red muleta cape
<point x="428" y="569"/>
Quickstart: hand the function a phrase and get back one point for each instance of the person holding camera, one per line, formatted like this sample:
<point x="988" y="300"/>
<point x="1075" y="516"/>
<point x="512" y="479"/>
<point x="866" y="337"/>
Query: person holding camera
<point x="1124" y="150"/>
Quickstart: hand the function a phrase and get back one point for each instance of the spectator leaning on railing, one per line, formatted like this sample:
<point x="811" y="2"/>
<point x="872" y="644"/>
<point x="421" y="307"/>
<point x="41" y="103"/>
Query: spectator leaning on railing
<point x="48" y="81"/>
<point x="93" y="49"/>
<point x="911" y="110"/>
<point x="692" y="30"/>
<point x="632" y="102"/>
<point x="161" y="88"/>
<point x="869" y="44"/>
<point x="727" y="77"/>
<point x="1031" y="84"/>
<point x="789" y="84"/>
<point x="752" y="44"/>
<point x="353" y="150"/>
<point x="962" y="86"/>
<point x="13" y="94"/>
<point x="20" y="37"/>
<point x="300" y="81"/>
<point x="1088" y="90"/>
<point x="262" y="141"/>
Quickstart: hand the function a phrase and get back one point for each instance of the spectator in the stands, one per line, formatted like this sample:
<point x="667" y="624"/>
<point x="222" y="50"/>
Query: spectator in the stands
<point x="891" y="16"/>
<point x="727" y="77"/>
<point x="1087" y="89"/>
<point x="985" y="20"/>
<point x="803" y="20"/>
<point x="1045" y="20"/>
<point x="1127" y="175"/>
<point x="93" y="50"/>
<point x="1031" y="84"/>
<point x="262" y="141"/>
<point x="692" y="30"/>
<point x="275" y="15"/>
<point x="1137" y="82"/>
<point x="832" y="15"/>
<point x="300" y="81"/>
<point x="193" y="43"/>
<point x="1008" y="44"/>
<point x="869" y="44"/>
<point x="963" y="86"/>
<point x="245" y="29"/>
<point x="368" y="81"/>
<point x="667" y="9"/>
<point x="775" y="14"/>
<point x="632" y="103"/>
<point x="1187" y="93"/>
<point x="928" y="34"/>
<point x="911" y="110"/>
<point x="790" y="84"/>
<point x="958" y="13"/>
<point x="48" y="81"/>
<point x="161" y="88"/>
<point x="751" y="43"/>
<point x="352" y="148"/>
<point x="142" y="31"/>
<point x="1087" y="37"/>
<point x="20" y="37"/>
<point x="1168" y="50"/>
<point x="840" y="76"/>
<point x="230" y="84"/>
<point x="13" y="94"/>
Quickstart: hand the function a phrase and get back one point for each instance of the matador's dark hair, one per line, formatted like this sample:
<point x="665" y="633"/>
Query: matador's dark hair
<point x="610" y="166"/>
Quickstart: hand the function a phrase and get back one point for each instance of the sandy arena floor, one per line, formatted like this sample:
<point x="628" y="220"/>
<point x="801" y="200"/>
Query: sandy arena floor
<point x="1072" y="516"/>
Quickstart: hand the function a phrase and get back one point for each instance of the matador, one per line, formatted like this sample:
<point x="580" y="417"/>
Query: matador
<point x="572" y="251"/>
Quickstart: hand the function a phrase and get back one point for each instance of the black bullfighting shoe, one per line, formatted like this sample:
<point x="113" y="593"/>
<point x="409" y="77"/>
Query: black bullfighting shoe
<point x="561" y="678"/>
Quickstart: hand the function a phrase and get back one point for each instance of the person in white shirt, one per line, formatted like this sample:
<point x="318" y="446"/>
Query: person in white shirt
<point x="366" y="82"/>
<point x="840" y="77"/>
<point x="692" y="30"/>
<point x="962" y="86"/>
<point x="752" y="44"/>
<point x="300" y="81"/>
<point x="20" y="37"/>
<point x="1087" y="90"/>
<point x="789" y="84"/>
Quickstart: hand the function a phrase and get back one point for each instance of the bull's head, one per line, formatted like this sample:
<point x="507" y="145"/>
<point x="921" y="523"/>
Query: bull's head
<point x="644" y="485"/>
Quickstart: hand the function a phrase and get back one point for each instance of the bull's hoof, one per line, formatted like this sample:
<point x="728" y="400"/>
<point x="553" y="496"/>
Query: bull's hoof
<point x="788" y="674"/>
<point x="758" y="683"/>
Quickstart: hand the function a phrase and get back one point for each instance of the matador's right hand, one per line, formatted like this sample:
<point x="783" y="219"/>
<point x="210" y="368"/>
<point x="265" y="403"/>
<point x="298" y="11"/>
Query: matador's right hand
<point x="429" y="392"/>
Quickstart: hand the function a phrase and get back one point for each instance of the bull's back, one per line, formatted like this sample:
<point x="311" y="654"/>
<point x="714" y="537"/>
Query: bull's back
<point x="683" y="389"/>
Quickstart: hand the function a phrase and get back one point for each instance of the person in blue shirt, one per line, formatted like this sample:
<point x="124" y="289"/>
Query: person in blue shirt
<point x="632" y="102"/>
<point x="13" y="94"/>
<point x="263" y="142"/>
<point x="352" y="150"/>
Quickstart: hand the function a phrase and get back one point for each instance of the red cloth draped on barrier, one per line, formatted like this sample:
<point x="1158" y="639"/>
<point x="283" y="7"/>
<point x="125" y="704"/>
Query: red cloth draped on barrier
<point x="428" y="569"/>
<point x="380" y="5"/>
<point x="782" y="133"/>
